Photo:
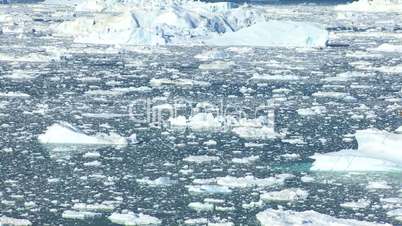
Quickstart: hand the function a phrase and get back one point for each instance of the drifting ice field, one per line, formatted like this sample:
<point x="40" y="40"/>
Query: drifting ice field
<point x="75" y="152"/>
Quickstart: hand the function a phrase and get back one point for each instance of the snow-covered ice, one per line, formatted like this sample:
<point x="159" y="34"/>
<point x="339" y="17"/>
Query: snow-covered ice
<point x="65" y="133"/>
<point x="186" y="23"/>
<point x="271" y="217"/>
<point x="14" y="221"/>
<point x="275" y="33"/>
<point x="286" y="195"/>
<point x="134" y="219"/>
<point x="377" y="151"/>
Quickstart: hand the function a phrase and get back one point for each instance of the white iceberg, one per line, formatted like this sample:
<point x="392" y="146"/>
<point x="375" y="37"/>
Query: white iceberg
<point x="136" y="22"/>
<point x="286" y="195"/>
<point x="372" y="6"/>
<point x="133" y="219"/>
<point x="64" y="133"/>
<point x="275" y="33"/>
<point x="272" y="217"/>
<point x="377" y="151"/>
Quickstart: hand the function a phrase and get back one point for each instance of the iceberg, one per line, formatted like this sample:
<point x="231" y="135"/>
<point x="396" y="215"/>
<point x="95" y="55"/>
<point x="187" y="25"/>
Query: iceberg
<point x="275" y="34"/>
<point x="187" y="23"/>
<point x="271" y="217"/>
<point x="133" y="219"/>
<point x="372" y="6"/>
<point x="377" y="151"/>
<point x="65" y="133"/>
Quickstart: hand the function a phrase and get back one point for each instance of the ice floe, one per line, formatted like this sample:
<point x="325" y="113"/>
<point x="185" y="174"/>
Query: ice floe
<point x="201" y="158"/>
<point x="377" y="151"/>
<point x="286" y="195"/>
<point x="65" y="133"/>
<point x="14" y="221"/>
<point x="134" y="219"/>
<point x="271" y="217"/>
<point x="359" y="204"/>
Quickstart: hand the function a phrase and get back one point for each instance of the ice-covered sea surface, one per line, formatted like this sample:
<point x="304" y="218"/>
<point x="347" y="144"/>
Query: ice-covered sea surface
<point x="122" y="165"/>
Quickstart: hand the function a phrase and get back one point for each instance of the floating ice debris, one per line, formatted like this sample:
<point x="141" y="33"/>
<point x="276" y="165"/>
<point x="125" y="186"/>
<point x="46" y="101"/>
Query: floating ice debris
<point x="204" y="121"/>
<point x="158" y="182"/>
<point x="286" y="195"/>
<point x="14" y="221"/>
<point x="378" y="185"/>
<point x="208" y="189"/>
<point x="64" y="133"/>
<point x="30" y="57"/>
<point x="396" y="214"/>
<point x="359" y="204"/>
<point x="15" y="95"/>
<point x="337" y="95"/>
<point x="275" y="33"/>
<point x="97" y="207"/>
<point x="217" y="65"/>
<point x="272" y="217"/>
<point x="346" y="76"/>
<point x="245" y="160"/>
<point x="178" y="122"/>
<point x="201" y="158"/>
<point x="388" y="48"/>
<point x="372" y="6"/>
<point x="251" y="181"/>
<point x="79" y="215"/>
<point x="213" y="54"/>
<point x="201" y="207"/>
<point x="315" y="110"/>
<point x="256" y="133"/>
<point x="133" y="219"/>
<point x="377" y="151"/>
<point x="91" y="155"/>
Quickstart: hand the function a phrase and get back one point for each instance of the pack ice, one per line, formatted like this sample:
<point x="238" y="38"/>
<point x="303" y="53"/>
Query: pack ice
<point x="272" y="217"/>
<point x="65" y="133"/>
<point x="377" y="151"/>
<point x="137" y="22"/>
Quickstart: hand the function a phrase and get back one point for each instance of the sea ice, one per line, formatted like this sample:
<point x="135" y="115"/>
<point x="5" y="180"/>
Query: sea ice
<point x="64" y="133"/>
<point x="275" y="33"/>
<point x="133" y="219"/>
<point x="286" y="195"/>
<point x="359" y="204"/>
<point x="14" y="221"/>
<point x="377" y="151"/>
<point x="272" y="217"/>
<point x="201" y="158"/>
